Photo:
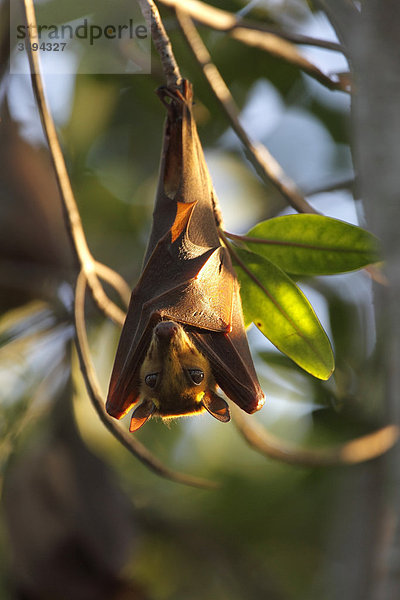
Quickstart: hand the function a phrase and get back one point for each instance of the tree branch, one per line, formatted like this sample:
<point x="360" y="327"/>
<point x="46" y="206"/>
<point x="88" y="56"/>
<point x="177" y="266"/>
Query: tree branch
<point x="116" y="281"/>
<point x="286" y="51"/>
<point x="264" y="163"/>
<point x="71" y="212"/>
<point x="162" y="43"/>
<point x="254" y="34"/>
<point x="222" y="20"/>
<point x="355" y="451"/>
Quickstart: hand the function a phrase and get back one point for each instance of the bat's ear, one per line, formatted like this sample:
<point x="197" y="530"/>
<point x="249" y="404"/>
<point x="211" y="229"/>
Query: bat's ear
<point x="216" y="406"/>
<point x="141" y="414"/>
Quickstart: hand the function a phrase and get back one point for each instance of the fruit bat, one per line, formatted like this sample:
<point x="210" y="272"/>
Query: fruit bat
<point x="184" y="333"/>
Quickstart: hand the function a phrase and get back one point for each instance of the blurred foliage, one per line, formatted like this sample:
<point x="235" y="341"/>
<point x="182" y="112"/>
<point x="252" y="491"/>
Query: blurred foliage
<point x="266" y="532"/>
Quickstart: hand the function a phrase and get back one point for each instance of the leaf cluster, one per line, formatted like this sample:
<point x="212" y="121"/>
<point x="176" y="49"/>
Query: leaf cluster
<point x="294" y="246"/>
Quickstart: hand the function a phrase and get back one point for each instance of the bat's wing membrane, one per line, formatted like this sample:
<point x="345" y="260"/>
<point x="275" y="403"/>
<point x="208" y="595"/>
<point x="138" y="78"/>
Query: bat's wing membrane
<point x="231" y="361"/>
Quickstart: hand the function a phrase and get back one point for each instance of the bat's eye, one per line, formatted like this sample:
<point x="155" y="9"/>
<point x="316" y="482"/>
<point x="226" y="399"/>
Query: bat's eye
<point x="151" y="379"/>
<point x="196" y="375"/>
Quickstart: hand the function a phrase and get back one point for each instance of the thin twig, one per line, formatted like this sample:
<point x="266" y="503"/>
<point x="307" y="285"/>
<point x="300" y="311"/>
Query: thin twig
<point x="161" y="41"/>
<point x="343" y="184"/>
<point x="116" y="281"/>
<point x="355" y="451"/>
<point x="344" y="17"/>
<point x="256" y="35"/>
<point x="290" y="36"/>
<point x="222" y="20"/>
<point x="285" y="51"/>
<point x="93" y="388"/>
<point x="264" y="163"/>
<point x="71" y="212"/>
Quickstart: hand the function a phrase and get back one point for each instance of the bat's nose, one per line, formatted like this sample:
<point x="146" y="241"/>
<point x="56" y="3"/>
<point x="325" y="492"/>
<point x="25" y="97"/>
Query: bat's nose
<point x="166" y="330"/>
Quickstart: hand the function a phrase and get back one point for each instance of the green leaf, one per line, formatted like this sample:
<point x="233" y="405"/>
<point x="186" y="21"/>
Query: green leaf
<point x="283" y="314"/>
<point x="313" y="244"/>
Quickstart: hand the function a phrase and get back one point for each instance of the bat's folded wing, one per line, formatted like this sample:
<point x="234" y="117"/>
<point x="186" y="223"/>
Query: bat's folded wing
<point x="200" y="296"/>
<point x="231" y="361"/>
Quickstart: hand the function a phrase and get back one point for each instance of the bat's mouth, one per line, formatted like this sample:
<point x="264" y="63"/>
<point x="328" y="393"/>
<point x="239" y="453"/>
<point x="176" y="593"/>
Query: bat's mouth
<point x="187" y="407"/>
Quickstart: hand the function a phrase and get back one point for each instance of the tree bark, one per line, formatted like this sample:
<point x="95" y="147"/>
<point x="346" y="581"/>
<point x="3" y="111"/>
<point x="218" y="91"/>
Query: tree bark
<point x="369" y="500"/>
<point x="375" y="53"/>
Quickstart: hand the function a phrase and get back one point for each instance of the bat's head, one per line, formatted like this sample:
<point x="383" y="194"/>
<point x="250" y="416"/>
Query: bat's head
<point x="176" y="379"/>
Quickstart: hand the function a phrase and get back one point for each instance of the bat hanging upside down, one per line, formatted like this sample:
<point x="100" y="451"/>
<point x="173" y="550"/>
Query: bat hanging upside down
<point x="184" y="333"/>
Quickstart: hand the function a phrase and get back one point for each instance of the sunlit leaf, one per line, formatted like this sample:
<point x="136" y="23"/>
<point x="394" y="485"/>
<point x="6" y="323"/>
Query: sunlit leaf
<point x="283" y="314"/>
<point x="313" y="244"/>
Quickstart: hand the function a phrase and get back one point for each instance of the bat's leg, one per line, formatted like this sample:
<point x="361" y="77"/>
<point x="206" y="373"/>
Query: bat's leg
<point x="163" y="92"/>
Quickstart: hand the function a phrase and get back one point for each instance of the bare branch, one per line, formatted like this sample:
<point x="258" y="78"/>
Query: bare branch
<point x="286" y="51"/>
<point x="264" y="163"/>
<point x="290" y="36"/>
<point x="222" y="20"/>
<point x="256" y="35"/>
<point x="71" y="212"/>
<point x="356" y="451"/>
<point x="344" y="17"/>
<point x="116" y="281"/>
<point x="348" y="183"/>
<point x="161" y="42"/>
<point x="93" y="388"/>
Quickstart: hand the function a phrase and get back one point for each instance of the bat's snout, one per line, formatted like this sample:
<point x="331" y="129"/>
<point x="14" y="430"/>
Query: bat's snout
<point x="166" y="331"/>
